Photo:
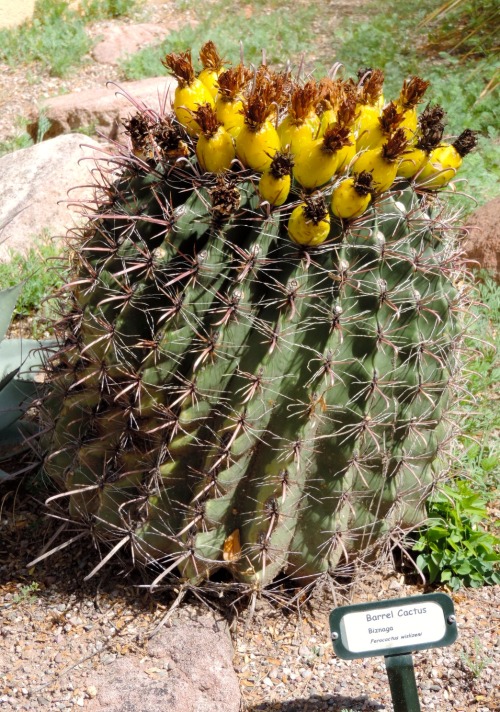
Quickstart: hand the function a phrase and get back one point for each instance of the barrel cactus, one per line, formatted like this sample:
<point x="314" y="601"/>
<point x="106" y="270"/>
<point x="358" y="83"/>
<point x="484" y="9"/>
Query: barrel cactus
<point x="263" y="329"/>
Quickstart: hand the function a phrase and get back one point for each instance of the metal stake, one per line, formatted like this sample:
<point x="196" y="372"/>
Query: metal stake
<point x="402" y="682"/>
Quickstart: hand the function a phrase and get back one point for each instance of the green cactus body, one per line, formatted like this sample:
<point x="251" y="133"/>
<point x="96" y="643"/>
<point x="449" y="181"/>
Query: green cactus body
<point x="228" y="398"/>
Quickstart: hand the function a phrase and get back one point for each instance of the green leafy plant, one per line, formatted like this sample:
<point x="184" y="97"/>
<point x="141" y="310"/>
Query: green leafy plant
<point x="22" y="139"/>
<point x="477" y="662"/>
<point x="55" y="37"/>
<point x="455" y="548"/>
<point x="21" y="359"/>
<point x="39" y="275"/>
<point x="27" y="593"/>
<point x="93" y="10"/>
<point x="18" y="140"/>
<point x="89" y="129"/>
<point x="43" y="125"/>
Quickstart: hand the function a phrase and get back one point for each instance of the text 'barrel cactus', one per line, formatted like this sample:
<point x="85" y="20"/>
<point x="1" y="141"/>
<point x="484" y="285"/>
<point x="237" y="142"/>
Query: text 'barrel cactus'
<point x="263" y="330"/>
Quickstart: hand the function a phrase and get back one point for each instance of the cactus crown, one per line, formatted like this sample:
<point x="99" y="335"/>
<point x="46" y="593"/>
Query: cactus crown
<point x="335" y="137"/>
<point x="210" y="57"/>
<point x="390" y="118"/>
<point x="233" y="81"/>
<point x="180" y="66"/>
<point x="281" y="165"/>
<point x="303" y="101"/>
<point x="466" y="142"/>
<point x="371" y="82"/>
<point x="395" y="146"/>
<point x="413" y="92"/>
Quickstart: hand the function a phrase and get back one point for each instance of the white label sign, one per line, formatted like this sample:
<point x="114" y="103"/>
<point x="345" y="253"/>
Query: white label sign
<point x="393" y="627"/>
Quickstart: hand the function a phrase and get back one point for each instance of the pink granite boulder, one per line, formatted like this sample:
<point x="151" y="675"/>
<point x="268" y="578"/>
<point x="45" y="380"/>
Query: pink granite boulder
<point x="185" y="668"/>
<point x="39" y="186"/>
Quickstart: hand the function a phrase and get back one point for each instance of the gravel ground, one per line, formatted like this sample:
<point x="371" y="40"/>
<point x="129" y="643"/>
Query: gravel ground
<point x="58" y="632"/>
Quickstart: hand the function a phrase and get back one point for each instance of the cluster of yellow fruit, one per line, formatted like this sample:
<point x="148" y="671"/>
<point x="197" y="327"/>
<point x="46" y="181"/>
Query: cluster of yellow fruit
<point x="327" y="133"/>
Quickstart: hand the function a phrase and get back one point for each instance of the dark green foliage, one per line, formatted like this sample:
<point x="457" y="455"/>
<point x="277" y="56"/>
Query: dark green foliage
<point x="39" y="274"/>
<point x="455" y="548"/>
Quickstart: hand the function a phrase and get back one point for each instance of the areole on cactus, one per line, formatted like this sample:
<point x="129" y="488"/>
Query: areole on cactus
<point x="259" y="383"/>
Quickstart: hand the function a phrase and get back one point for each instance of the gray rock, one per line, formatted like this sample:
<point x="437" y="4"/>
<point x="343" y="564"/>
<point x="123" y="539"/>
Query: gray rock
<point x="188" y="669"/>
<point x="104" y="109"/>
<point x="36" y="185"/>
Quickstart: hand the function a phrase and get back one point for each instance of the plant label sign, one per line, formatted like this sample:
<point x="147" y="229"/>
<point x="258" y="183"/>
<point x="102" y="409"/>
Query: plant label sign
<point x="393" y="627"/>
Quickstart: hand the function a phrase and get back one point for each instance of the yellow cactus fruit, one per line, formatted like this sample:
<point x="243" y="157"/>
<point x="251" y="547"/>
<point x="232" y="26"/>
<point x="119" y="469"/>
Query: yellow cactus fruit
<point x="317" y="164"/>
<point x="347" y="116"/>
<point x="230" y="114"/>
<point x="309" y="223"/>
<point x="346" y="154"/>
<point x="215" y="148"/>
<point x="389" y="120"/>
<point x="331" y="95"/>
<point x="213" y="65"/>
<point x="256" y="147"/>
<point x="368" y="119"/>
<point x="190" y="92"/>
<point x="411" y="94"/>
<point x="299" y="127"/>
<point x="352" y="196"/>
<point x="411" y="162"/>
<point x="445" y="160"/>
<point x="383" y="162"/>
<point x="229" y="101"/>
<point x="328" y="118"/>
<point x="429" y="136"/>
<point x="275" y="182"/>
<point x="258" y="140"/>
<point x="370" y="98"/>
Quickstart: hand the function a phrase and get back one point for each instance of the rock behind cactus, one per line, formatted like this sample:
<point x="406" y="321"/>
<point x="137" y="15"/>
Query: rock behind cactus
<point x="227" y="397"/>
